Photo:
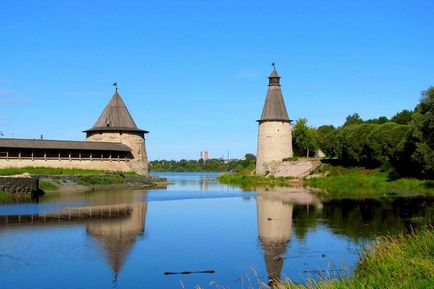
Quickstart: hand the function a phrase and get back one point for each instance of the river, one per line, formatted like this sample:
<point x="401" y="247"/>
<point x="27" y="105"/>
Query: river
<point x="195" y="224"/>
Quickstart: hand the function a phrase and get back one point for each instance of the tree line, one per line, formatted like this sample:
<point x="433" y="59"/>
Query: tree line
<point x="404" y="143"/>
<point x="210" y="165"/>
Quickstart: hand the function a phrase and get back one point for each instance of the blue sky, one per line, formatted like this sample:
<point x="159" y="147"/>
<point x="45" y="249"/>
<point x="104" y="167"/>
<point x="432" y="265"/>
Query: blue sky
<point x="194" y="72"/>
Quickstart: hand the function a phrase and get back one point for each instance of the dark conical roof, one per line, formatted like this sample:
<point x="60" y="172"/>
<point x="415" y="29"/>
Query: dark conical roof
<point x="274" y="74"/>
<point x="274" y="255"/>
<point x="274" y="107"/>
<point x="115" y="117"/>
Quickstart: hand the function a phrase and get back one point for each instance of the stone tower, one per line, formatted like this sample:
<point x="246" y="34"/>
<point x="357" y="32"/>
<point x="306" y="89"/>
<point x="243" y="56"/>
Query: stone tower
<point x="115" y="124"/>
<point x="274" y="132"/>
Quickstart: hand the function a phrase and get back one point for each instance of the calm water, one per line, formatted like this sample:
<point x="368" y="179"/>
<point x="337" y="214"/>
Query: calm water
<point x="196" y="224"/>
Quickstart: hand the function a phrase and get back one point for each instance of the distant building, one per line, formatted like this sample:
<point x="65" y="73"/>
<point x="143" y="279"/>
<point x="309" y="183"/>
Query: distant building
<point x="204" y="155"/>
<point x="114" y="143"/>
<point x="274" y="132"/>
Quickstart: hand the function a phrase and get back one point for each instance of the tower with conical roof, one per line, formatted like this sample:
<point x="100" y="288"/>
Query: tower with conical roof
<point x="274" y="132"/>
<point x="115" y="124"/>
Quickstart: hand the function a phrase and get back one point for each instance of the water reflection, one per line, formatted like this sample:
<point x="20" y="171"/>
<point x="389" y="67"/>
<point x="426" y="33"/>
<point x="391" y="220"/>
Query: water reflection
<point x="274" y="216"/>
<point x="196" y="224"/>
<point x="114" y="220"/>
<point x="117" y="236"/>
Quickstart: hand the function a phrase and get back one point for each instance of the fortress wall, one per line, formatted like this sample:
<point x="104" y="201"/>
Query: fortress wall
<point x="19" y="185"/>
<point x="134" y="140"/>
<point x="274" y="144"/>
<point x="94" y="164"/>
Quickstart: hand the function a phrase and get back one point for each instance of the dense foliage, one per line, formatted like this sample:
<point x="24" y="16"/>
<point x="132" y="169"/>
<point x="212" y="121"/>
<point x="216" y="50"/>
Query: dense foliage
<point x="211" y="165"/>
<point x="405" y="143"/>
<point x="364" y="144"/>
<point x="305" y="139"/>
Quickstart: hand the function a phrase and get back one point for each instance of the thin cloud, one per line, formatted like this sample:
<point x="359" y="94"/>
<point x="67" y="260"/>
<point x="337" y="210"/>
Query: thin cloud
<point x="9" y="101"/>
<point x="5" y="80"/>
<point x="6" y="92"/>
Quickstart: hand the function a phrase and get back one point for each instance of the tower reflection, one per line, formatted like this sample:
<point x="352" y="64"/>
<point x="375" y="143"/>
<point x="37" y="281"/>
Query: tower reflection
<point x="117" y="236"/>
<point x="274" y="213"/>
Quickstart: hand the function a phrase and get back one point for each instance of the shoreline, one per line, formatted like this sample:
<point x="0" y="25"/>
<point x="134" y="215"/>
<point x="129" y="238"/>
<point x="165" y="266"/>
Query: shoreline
<point x="83" y="183"/>
<point x="335" y="181"/>
<point x="52" y="182"/>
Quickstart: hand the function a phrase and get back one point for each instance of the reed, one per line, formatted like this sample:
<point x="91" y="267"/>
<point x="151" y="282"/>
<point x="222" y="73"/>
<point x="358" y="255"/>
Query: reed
<point x="402" y="261"/>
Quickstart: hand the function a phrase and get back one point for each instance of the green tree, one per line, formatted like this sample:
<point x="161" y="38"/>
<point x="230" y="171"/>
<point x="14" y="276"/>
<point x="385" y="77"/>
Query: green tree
<point x="353" y="119"/>
<point x="402" y="117"/>
<point x="323" y="131"/>
<point x="365" y="144"/>
<point x="382" y="142"/>
<point x="305" y="139"/>
<point x="379" y="120"/>
<point x="422" y="130"/>
<point x="250" y="157"/>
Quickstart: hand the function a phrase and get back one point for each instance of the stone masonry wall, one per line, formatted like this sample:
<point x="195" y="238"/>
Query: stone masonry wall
<point x="19" y="185"/>
<point x="274" y="144"/>
<point x="95" y="164"/>
<point x="140" y="162"/>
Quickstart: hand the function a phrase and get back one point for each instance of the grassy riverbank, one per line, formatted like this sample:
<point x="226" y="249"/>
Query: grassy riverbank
<point x="56" y="171"/>
<point x="393" y="262"/>
<point x="342" y="181"/>
<point x="54" y="181"/>
<point x="252" y="181"/>
<point x="61" y="183"/>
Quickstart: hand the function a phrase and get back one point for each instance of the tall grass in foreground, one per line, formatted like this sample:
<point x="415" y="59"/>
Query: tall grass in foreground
<point x="342" y="181"/>
<point x="403" y="261"/>
<point x="393" y="262"/>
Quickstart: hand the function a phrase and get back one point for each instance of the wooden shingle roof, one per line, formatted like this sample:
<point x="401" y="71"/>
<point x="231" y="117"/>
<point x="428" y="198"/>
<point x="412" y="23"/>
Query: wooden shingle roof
<point x="115" y="117"/>
<point x="274" y="106"/>
<point x="62" y="145"/>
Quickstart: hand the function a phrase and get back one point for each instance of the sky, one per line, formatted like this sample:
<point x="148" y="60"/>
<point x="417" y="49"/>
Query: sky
<point x="194" y="72"/>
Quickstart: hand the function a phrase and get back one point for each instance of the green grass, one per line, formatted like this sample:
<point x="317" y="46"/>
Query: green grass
<point x="342" y="181"/>
<point x="101" y="180"/>
<point x="403" y="261"/>
<point x="9" y="198"/>
<point x="5" y="197"/>
<point x="48" y="185"/>
<point x="55" y="171"/>
<point x="251" y="181"/>
<point x="291" y="159"/>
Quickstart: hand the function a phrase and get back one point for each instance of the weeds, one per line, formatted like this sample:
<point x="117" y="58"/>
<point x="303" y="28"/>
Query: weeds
<point x="342" y="181"/>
